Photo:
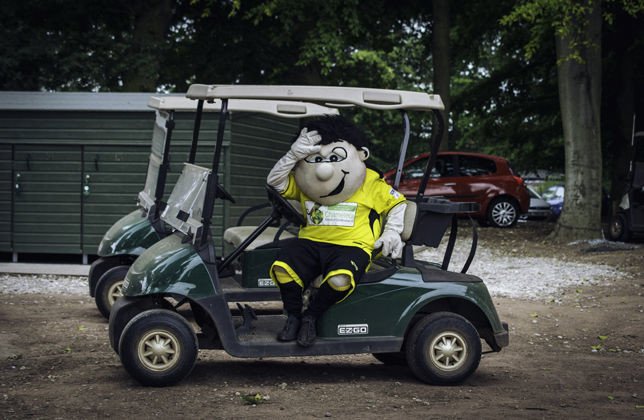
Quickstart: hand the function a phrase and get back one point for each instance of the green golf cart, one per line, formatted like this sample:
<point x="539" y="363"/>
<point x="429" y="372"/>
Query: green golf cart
<point x="126" y="239"/>
<point x="180" y="297"/>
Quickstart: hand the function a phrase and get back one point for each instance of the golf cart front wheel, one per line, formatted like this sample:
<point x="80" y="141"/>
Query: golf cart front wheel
<point x="109" y="288"/>
<point x="443" y="348"/>
<point x="158" y="347"/>
<point x="618" y="229"/>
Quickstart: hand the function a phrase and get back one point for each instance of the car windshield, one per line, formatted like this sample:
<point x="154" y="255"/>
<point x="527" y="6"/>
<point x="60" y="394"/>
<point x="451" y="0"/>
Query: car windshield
<point x="556" y="191"/>
<point x="533" y="193"/>
<point x="475" y="166"/>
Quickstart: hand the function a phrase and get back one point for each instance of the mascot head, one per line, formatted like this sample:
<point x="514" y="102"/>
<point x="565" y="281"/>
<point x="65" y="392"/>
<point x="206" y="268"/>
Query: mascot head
<point x="338" y="170"/>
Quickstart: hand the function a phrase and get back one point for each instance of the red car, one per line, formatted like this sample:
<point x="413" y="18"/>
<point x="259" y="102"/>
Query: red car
<point x="470" y="177"/>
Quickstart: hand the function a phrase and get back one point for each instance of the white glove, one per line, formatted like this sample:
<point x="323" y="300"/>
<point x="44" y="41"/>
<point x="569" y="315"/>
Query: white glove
<point x="306" y="144"/>
<point x="390" y="239"/>
<point x="391" y="244"/>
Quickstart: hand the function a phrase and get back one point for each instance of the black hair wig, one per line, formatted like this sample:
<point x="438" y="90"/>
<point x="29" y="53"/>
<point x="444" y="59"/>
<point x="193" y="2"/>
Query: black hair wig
<point x="334" y="128"/>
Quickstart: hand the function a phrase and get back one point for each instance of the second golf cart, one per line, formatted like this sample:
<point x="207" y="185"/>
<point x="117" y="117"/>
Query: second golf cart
<point x="135" y="232"/>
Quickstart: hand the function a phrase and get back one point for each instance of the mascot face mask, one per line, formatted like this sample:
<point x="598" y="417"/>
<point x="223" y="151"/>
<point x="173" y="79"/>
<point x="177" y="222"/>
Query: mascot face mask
<point x="334" y="174"/>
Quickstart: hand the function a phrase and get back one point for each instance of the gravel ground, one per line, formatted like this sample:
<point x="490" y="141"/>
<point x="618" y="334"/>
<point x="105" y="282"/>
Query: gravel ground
<point x="576" y="350"/>
<point x="506" y="274"/>
<point x="526" y="277"/>
<point x="43" y="284"/>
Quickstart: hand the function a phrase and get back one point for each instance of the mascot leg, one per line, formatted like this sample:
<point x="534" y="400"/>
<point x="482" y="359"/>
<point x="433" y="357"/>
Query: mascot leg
<point x="333" y="290"/>
<point x="291" y="293"/>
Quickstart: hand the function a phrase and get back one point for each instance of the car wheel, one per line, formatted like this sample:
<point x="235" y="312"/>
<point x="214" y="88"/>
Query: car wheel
<point x="158" y="347"/>
<point x="109" y="288"/>
<point x="396" y="358"/>
<point x="618" y="228"/>
<point x="503" y="212"/>
<point x="443" y="348"/>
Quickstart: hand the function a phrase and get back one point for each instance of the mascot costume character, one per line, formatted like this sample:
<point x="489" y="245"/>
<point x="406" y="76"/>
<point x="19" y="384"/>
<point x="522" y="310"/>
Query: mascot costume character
<point x="345" y="205"/>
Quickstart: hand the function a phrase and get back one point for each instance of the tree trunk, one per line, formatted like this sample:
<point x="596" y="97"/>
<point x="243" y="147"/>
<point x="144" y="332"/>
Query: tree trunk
<point x="440" y="56"/>
<point x="580" y="97"/>
<point x="151" y="22"/>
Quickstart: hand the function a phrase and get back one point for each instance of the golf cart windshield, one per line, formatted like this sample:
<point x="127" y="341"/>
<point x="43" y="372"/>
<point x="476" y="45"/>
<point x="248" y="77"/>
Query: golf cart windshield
<point x="159" y="137"/>
<point x="185" y="205"/>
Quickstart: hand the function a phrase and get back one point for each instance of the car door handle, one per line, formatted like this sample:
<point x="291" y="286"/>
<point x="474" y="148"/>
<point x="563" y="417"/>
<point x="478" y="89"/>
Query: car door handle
<point x="449" y="184"/>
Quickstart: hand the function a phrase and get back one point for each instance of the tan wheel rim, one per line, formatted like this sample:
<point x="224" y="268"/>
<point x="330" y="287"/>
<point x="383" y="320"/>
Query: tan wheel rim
<point x="448" y="351"/>
<point x="114" y="292"/>
<point x="159" y="350"/>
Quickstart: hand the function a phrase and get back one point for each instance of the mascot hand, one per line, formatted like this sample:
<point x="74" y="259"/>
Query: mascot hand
<point x="391" y="244"/>
<point x="306" y="144"/>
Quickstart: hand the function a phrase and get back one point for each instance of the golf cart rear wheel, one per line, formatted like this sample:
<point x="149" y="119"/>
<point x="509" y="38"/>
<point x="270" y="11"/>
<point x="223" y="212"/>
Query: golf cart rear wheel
<point x="443" y="348"/>
<point x="158" y="348"/>
<point x="109" y="288"/>
<point x="618" y="229"/>
<point x="503" y="212"/>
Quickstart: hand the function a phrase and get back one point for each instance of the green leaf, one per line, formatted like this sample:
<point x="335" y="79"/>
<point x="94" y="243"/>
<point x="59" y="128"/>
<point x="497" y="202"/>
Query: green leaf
<point x="253" y="399"/>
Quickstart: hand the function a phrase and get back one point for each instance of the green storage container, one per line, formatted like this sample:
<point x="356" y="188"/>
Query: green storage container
<point x="71" y="164"/>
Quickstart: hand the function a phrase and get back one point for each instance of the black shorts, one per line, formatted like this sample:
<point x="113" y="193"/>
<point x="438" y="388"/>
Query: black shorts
<point x="309" y="259"/>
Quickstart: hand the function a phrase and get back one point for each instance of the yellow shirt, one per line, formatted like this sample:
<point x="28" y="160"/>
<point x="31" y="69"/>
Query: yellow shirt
<point x="355" y="222"/>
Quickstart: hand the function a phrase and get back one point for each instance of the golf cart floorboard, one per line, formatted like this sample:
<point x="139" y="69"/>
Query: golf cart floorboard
<point x="262" y="330"/>
<point x="260" y="341"/>
<point x="235" y="292"/>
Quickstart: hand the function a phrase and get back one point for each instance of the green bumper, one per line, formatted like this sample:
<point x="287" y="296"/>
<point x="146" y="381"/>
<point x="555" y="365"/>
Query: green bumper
<point x="389" y="306"/>
<point x="130" y="235"/>
<point x="169" y="267"/>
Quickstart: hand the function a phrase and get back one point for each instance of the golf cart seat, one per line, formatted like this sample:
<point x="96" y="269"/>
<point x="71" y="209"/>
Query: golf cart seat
<point x="235" y="235"/>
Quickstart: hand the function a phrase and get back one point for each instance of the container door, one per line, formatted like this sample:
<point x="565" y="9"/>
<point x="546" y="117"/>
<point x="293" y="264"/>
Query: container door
<point x="112" y="178"/>
<point x="47" y="191"/>
<point x="5" y="198"/>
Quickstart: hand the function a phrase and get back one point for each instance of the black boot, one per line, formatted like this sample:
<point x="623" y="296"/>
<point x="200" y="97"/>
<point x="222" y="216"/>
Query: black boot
<point x="306" y="335"/>
<point x="291" y="327"/>
<point x="323" y="300"/>
<point x="292" y="298"/>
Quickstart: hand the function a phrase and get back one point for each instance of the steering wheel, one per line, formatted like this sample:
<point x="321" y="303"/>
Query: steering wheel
<point x="220" y="192"/>
<point x="283" y="207"/>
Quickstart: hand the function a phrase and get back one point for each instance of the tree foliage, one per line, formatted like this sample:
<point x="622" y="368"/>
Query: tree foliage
<point x="504" y="101"/>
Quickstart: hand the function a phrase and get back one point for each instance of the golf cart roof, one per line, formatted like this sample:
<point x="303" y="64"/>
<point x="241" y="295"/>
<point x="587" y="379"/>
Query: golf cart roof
<point x="284" y="109"/>
<point x="331" y="96"/>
